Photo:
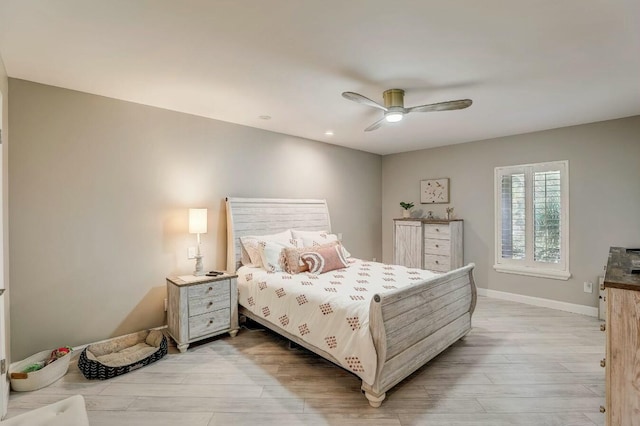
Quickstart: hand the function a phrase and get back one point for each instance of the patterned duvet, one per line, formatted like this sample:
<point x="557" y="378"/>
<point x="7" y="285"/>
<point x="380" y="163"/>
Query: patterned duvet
<point x="330" y="310"/>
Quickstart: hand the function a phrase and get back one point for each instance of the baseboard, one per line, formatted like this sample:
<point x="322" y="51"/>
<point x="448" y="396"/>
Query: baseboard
<point x="538" y="301"/>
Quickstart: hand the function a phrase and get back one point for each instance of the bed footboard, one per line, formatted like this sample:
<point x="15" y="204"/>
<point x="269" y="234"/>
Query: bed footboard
<point x="412" y="325"/>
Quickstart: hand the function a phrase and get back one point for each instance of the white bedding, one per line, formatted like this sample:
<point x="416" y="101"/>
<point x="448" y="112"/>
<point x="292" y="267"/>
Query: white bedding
<point x="330" y="310"/>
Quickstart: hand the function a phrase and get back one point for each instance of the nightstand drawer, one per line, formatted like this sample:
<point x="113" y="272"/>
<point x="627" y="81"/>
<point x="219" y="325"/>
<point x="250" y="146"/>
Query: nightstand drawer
<point x="202" y="305"/>
<point x="439" y="247"/>
<point x="438" y="231"/>
<point x="209" y="289"/>
<point x="209" y="323"/>
<point x="437" y="263"/>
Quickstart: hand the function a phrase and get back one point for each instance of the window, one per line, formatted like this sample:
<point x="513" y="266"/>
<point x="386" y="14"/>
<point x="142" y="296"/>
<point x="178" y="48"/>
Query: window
<point x="532" y="219"/>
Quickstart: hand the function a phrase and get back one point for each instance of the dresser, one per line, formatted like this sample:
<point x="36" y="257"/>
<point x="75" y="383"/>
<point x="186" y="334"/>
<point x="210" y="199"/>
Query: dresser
<point x="622" y="362"/>
<point x="201" y="307"/>
<point x="435" y="245"/>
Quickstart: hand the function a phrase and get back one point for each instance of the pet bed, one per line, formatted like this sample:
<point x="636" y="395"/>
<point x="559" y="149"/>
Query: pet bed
<point x="122" y="354"/>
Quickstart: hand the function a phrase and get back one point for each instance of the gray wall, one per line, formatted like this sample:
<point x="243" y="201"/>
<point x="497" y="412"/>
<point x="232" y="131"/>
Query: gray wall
<point x="604" y="179"/>
<point x="99" y="192"/>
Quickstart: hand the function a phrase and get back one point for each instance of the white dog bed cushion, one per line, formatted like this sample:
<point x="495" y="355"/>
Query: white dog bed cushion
<point x="68" y="412"/>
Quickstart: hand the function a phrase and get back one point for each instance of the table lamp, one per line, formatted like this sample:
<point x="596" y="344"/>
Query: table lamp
<point x="198" y="225"/>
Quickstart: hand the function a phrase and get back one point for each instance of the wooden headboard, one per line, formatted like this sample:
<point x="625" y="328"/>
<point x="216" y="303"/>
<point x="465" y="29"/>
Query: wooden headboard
<point x="262" y="216"/>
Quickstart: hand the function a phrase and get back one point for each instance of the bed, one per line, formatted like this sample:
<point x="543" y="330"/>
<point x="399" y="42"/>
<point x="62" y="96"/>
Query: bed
<point x="408" y="323"/>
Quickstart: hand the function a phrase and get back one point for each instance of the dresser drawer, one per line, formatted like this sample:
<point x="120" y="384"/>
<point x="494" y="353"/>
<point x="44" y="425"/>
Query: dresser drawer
<point x="209" y="289"/>
<point x="435" y="246"/>
<point x="208" y="323"/>
<point x="202" y="305"/>
<point x="437" y="231"/>
<point x="437" y="263"/>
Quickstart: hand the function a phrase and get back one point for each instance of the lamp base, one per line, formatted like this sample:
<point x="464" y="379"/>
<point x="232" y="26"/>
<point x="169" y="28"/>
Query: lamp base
<point x="199" y="271"/>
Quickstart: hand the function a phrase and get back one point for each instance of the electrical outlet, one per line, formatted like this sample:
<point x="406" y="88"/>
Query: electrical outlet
<point x="339" y="236"/>
<point x="191" y="253"/>
<point x="588" y="287"/>
<point x="374" y="259"/>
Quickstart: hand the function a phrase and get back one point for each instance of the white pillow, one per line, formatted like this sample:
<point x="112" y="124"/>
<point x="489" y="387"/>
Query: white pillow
<point x="317" y="238"/>
<point x="272" y="253"/>
<point x="311" y="238"/>
<point x="251" y="245"/>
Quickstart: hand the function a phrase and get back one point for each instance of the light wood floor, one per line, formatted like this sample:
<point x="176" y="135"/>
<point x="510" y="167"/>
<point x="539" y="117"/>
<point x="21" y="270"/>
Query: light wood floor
<point x="521" y="365"/>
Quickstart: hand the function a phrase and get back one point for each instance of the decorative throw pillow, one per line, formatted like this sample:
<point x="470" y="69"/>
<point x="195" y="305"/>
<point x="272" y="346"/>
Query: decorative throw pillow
<point x="317" y="238"/>
<point x="325" y="259"/>
<point x="292" y="262"/>
<point x="250" y="244"/>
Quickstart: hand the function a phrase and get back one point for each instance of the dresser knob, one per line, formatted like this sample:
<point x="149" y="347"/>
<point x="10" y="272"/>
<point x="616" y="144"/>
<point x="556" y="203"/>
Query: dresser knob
<point x="437" y="229"/>
<point x="603" y="327"/>
<point x="602" y="409"/>
<point x="209" y="304"/>
<point x="437" y="262"/>
<point x="602" y="362"/>
<point x="210" y="321"/>
<point x="437" y="246"/>
<point x="210" y="288"/>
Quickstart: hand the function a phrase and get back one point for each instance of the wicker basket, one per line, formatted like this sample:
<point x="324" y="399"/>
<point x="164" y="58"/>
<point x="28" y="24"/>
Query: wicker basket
<point x="93" y="369"/>
<point x="41" y="378"/>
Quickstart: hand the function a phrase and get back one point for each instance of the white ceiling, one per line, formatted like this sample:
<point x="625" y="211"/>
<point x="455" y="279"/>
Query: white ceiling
<point x="527" y="65"/>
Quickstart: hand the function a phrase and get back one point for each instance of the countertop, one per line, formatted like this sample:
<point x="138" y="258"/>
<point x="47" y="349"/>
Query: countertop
<point x="425" y="220"/>
<point x="618" y="273"/>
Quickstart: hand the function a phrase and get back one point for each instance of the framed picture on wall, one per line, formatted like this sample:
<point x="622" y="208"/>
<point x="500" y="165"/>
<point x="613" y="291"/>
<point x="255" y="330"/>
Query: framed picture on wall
<point x="433" y="191"/>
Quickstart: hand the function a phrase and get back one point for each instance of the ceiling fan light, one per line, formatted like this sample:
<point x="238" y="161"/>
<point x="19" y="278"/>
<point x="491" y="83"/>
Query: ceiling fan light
<point x="393" y="117"/>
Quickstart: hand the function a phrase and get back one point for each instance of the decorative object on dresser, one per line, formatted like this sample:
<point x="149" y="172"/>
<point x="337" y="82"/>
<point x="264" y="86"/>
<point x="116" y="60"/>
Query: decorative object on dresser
<point x="406" y="208"/>
<point x="198" y="225"/>
<point x="201" y="307"/>
<point x="434" y="191"/>
<point x="407" y="326"/>
<point x="622" y="388"/>
<point x="449" y="213"/>
<point x="432" y="244"/>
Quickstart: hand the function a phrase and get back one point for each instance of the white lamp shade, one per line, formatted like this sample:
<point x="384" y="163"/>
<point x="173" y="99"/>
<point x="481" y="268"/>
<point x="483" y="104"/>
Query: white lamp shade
<point x="197" y="221"/>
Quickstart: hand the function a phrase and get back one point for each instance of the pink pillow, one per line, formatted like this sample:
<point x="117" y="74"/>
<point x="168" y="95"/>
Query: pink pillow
<point x="324" y="259"/>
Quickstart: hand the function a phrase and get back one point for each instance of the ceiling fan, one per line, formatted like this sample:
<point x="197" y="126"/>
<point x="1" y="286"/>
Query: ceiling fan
<point x="394" y="109"/>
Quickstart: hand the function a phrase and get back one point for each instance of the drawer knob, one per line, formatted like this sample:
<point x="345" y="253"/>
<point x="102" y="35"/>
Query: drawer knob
<point x="437" y="262"/>
<point x="210" y="288"/>
<point x="210" y="321"/>
<point x="603" y="327"/>
<point x="602" y="362"/>
<point x="437" y="245"/>
<point x="602" y="409"/>
<point x="437" y="229"/>
<point x="209" y="304"/>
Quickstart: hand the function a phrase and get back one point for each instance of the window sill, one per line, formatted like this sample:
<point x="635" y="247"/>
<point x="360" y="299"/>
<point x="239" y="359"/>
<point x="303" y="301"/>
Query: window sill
<point x="554" y="274"/>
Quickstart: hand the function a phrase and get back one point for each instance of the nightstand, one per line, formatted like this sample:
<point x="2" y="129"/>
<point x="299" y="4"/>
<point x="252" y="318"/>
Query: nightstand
<point x="201" y="307"/>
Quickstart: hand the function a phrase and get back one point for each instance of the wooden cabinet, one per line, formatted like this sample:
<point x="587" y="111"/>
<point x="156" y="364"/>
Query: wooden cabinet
<point x="622" y="362"/>
<point x="201" y="307"/>
<point x="435" y="245"/>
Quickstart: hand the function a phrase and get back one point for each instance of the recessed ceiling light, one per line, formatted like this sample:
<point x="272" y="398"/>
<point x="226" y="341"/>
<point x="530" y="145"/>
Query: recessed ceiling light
<point x="329" y="133"/>
<point x="265" y="117"/>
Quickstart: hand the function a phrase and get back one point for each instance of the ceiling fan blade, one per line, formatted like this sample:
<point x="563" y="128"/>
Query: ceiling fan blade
<point x="357" y="97"/>
<point x="441" y="106"/>
<point x="376" y="125"/>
